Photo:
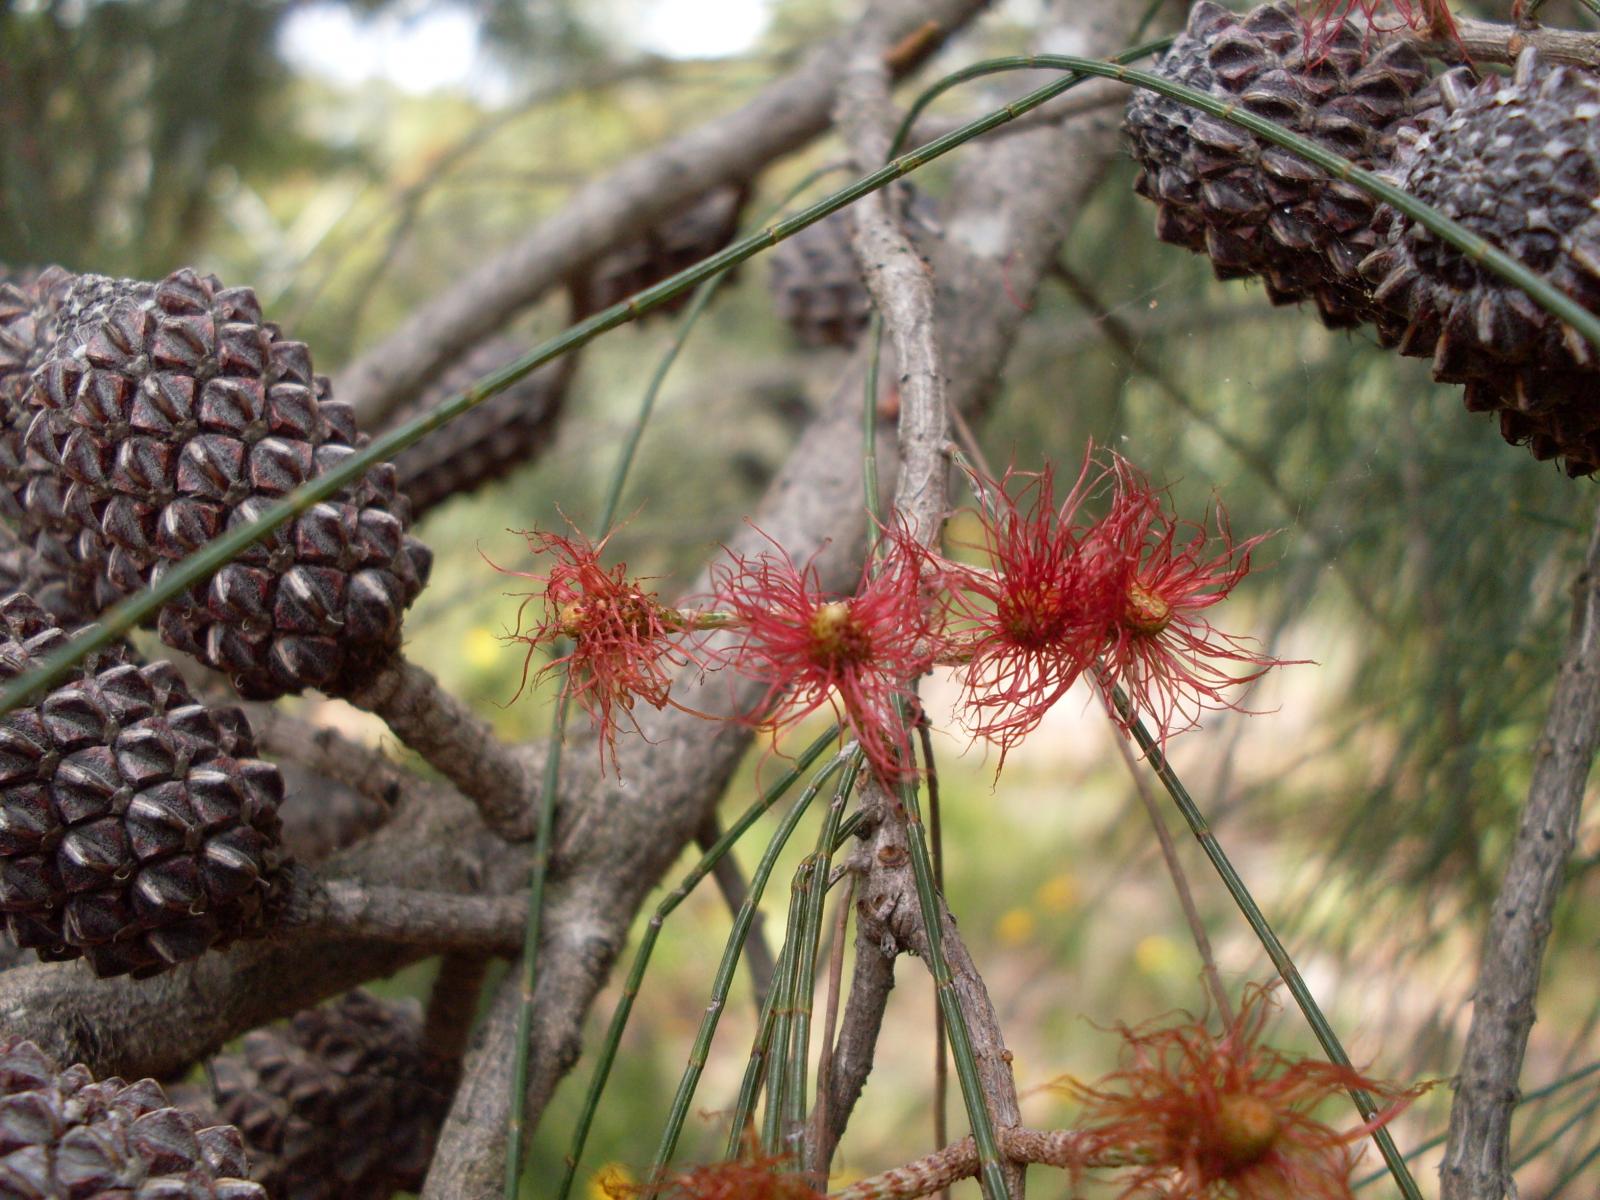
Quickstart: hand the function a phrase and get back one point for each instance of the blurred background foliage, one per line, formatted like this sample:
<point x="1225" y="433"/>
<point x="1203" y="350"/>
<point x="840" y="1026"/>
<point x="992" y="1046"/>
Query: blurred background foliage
<point x="349" y="160"/>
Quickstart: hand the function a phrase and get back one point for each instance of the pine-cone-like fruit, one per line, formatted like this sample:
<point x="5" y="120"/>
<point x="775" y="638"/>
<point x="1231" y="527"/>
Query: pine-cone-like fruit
<point x="340" y="1104"/>
<point x="64" y="1136"/>
<point x="699" y="231"/>
<point x="816" y="285"/>
<point x="490" y="441"/>
<point x="168" y="413"/>
<point x="136" y="830"/>
<point x="1517" y="161"/>
<point x="22" y="570"/>
<point x="1254" y="208"/>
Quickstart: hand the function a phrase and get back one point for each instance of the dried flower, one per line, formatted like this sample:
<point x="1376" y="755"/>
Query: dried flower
<point x="1029" y="625"/>
<point x="755" y="1178"/>
<point x="1207" y="1118"/>
<point x="1323" y="19"/>
<point x="620" y="634"/>
<point x="810" y="647"/>
<point x="1162" y="573"/>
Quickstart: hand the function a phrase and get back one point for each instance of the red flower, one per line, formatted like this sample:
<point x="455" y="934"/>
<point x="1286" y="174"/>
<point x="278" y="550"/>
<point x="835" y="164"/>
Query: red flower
<point x="1162" y="574"/>
<point x="741" y="1179"/>
<point x="809" y="646"/>
<point x="619" y="632"/>
<point x="1323" y="19"/>
<point x="1030" y="625"/>
<point x="1208" y="1117"/>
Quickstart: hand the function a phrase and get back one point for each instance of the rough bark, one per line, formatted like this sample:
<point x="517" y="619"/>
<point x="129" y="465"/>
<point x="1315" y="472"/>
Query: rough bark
<point x="1477" y="1159"/>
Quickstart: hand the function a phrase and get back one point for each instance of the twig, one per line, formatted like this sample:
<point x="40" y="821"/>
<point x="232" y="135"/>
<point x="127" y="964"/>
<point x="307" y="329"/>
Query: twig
<point x="727" y="149"/>
<point x="453" y="1005"/>
<point x="941" y="1059"/>
<point x="1477" y="1155"/>
<point x="329" y="753"/>
<point x="438" y="920"/>
<point x="816" y="1133"/>
<point x="891" y="912"/>
<point x="1489" y="41"/>
<point x="457" y="743"/>
<point x="731" y="884"/>
<point x="1180" y="883"/>
<point x="871" y="981"/>
<point x="1064" y="1148"/>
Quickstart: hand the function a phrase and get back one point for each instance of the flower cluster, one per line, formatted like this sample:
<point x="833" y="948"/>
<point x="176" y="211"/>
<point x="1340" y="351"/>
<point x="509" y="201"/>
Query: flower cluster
<point x="1206" y="1117"/>
<point x="1120" y="598"/>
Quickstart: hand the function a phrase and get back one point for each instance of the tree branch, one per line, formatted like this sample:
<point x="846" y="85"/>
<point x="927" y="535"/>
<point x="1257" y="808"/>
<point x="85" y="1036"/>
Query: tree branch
<point x="159" y="1026"/>
<point x="1477" y="1159"/>
<point x="729" y="149"/>
<point x="456" y="742"/>
<point x="1492" y="42"/>
<point x="363" y="770"/>
<point x="435" y="920"/>
<point x="1064" y="1148"/>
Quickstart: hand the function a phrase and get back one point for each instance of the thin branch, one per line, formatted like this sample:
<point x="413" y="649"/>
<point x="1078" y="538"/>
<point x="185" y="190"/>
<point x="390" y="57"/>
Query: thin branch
<point x="1492" y="42"/>
<point x="728" y="149"/>
<point x="457" y="743"/>
<point x="1065" y="1148"/>
<point x="871" y="982"/>
<point x="362" y="769"/>
<point x="817" y="1128"/>
<point x="453" y="1004"/>
<point x="890" y="911"/>
<point x="1477" y="1160"/>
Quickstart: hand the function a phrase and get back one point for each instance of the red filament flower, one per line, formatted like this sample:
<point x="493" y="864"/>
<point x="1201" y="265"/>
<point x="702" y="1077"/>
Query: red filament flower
<point x="1161" y="575"/>
<point x="1028" y="626"/>
<point x="1122" y="596"/>
<point x="619" y="632"/>
<point x="1227" y="1118"/>
<point x="810" y="647"/>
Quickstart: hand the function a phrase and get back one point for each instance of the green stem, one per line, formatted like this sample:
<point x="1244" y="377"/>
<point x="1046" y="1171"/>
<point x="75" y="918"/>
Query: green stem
<point x="809" y="936"/>
<point x="990" y="1172"/>
<point x="530" y="945"/>
<point x="647" y="944"/>
<point x="1246" y="903"/>
<point x="730" y="960"/>
<point x="760" y="1052"/>
<point x="778" y="1073"/>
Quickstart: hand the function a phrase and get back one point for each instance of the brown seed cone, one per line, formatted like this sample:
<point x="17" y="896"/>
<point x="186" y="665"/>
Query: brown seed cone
<point x="1517" y="161"/>
<point x="64" y="1136"/>
<point x="136" y="830"/>
<point x="340" y="1104"/>
<point x="166" y="413"/>
<point x="699" y="231"/>
<point x="816" y="285"/>
<point x="1254" y="208"/>
<point x="490" y="441"/>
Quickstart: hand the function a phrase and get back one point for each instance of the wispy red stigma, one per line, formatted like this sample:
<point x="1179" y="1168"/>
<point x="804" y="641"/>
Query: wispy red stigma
<point x="620" y="633"/>
<point x="808" y="646"/>
<point x="1208" y="1117"/>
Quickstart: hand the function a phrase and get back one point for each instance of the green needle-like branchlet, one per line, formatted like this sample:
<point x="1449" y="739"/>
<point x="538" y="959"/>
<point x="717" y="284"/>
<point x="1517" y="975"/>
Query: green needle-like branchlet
<point x="1247" y="905"/>
<point x="647" y="944"/>
<point x="679" y="1111"/>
